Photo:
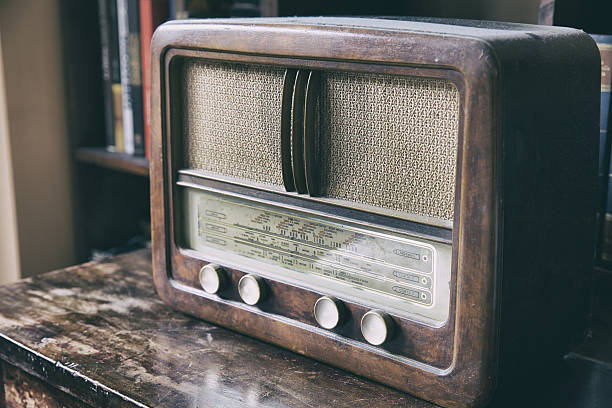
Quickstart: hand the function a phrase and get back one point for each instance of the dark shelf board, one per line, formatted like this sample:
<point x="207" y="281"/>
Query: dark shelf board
<point x="112" y="160"/>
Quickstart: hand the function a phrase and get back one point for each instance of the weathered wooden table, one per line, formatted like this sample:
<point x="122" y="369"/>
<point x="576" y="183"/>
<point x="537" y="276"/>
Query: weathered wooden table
<point x="98" y="335"/>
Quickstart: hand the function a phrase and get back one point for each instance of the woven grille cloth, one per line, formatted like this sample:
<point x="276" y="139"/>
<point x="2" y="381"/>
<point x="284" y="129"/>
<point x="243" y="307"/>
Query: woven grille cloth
<point x="390" y="142"/>
<point x="232" y="123"/>
<point x="386" y="141"/>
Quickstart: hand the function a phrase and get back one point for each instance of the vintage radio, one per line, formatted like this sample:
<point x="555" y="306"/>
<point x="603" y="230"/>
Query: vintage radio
<point x="412" y="201"/>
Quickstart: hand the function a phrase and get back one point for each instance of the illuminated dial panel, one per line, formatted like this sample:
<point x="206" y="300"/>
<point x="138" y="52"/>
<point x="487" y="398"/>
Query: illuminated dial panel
<point x="395" y="272"/>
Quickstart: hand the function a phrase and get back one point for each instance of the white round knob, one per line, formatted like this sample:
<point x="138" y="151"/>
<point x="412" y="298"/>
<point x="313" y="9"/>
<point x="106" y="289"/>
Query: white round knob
<point x="212" y="278"/>
<point x="328" y="312"/>
<point x="251" y="289"/>
<point x="376" y="327"/>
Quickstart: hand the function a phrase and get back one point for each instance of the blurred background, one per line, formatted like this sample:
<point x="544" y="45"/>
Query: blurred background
<point x="72" y="187"/>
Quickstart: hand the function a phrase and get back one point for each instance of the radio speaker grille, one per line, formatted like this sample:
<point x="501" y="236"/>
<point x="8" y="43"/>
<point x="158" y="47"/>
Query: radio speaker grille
<point x="232" y="120"/>
<point x="390" y="142"/>
<point x="385" y="141"/>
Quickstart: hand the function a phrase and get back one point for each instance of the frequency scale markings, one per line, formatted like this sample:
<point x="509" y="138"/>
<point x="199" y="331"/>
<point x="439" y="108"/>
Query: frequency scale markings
<point x="368" y="261"/>
<point x="321" y="235"/>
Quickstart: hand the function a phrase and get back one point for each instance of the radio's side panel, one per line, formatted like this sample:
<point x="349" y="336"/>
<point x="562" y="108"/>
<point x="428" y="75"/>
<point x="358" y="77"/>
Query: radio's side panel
<point x="550" y="114"/>
<point x="158" y="170"/>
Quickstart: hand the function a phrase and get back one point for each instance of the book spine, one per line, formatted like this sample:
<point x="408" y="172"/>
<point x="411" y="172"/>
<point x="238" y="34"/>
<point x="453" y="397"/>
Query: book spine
<point x="152" y="14"/>
<point x="115" y="76"/>
<point x="178" y="10"/>
<point x="604" y="238"/>
<point x="172" y="10"/>
<point x="146" y="31"/>
<point x="136" y="76"/>
<point x="124" y="64"/>
<point x="103" y="8"/>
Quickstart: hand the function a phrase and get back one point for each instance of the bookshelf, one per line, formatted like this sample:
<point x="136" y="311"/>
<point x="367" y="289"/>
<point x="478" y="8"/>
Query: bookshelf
<point x="110" y="190"/>
<point x="126" y="163"/>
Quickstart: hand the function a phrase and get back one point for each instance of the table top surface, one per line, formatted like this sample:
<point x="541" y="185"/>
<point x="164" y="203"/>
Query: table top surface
<point x="99" y="332"/>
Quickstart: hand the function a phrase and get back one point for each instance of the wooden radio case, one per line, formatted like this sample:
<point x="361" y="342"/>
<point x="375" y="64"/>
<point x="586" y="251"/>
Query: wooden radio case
<point x="412" y="201"/>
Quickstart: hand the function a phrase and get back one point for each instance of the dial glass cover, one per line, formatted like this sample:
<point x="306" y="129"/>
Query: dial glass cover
<point x="398" y="273"/>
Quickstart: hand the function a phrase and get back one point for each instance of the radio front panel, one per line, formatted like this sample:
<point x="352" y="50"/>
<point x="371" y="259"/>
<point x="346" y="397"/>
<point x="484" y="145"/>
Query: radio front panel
<point x="363" y="237"/>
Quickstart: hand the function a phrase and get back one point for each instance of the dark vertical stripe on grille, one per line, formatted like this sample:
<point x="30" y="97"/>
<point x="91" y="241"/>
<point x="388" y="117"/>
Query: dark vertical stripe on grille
<point x="287" y="99"/>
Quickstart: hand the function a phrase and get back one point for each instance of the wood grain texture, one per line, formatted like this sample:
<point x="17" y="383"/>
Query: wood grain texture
<point x="99" y="332"/>
<point x="25" y="391"/>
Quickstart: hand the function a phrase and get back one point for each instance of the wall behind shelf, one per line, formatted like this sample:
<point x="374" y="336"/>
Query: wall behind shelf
<point x="9" y="253"/>
<point x="37" y="128"/>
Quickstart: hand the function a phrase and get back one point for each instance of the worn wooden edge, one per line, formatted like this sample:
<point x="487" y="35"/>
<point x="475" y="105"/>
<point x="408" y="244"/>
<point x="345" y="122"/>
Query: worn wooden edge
<point x="62" y="377"/>
<point x="99" y="156"/>
<point x="24" y="390"/>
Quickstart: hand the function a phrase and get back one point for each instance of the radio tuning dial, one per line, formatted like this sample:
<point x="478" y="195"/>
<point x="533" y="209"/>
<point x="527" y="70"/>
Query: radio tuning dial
<point x="329" y="312"/>
<point x="251" y="289"/>
<point x="376" y="327"/>
<point x="212" y="278"/>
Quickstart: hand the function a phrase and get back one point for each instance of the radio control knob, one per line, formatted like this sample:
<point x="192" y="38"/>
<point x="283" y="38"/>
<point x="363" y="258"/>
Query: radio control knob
<point x="376" y="327"/>
<point x="329" y="312"/>
<point x="212" y="278"/>
<point x="251" y="289"/>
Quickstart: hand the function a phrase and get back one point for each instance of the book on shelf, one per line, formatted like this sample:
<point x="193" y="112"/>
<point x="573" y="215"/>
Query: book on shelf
<point x="152" y="14"/>
<point x="176" y="7"/>
<point x="126" y="29"/>
<point x="115" y="76"/>
<point x="131" y="76"/>
<point x="106" y="75"/>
